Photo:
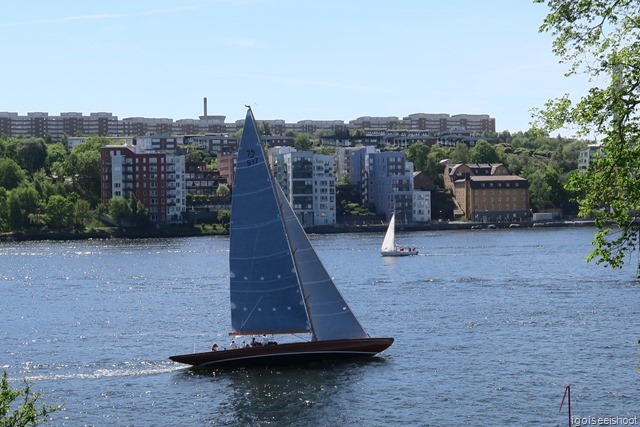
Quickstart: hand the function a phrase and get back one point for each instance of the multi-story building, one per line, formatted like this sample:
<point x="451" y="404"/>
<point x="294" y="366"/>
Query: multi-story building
<point x="342" y="167"/>
<point x="586" y="155"/>
<point x="487" y="192"/>
<point x="421" y="206"/>
<point x="226" y="166"/>
<point x="385" y="180"/>
<point x="456" y="171"/>
<point x="308" y="181"/>
<point x="441" y="123"/>
<point x="41" y="124"/>
<point x="74" y="141"/>
<point x="202" y="181"/>
<point x="389" y="178"/>
<point x="219" y="143"/>
<point x="152" y="171"/>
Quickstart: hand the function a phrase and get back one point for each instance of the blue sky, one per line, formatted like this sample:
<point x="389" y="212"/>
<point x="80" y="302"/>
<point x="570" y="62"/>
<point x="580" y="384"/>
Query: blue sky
<point x="289" y="59"/>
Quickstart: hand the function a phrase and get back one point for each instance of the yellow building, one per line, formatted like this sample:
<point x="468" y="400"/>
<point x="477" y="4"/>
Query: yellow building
<point x="488" y="193"/>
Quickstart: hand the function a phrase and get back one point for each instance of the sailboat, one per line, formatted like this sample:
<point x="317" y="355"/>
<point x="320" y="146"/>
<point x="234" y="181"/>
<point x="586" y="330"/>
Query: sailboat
<point x="389" y="247"/>
<point x="278" y="285"/>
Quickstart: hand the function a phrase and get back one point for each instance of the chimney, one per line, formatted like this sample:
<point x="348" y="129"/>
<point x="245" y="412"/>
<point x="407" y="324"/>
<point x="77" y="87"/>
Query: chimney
<point x="205" y="106"/>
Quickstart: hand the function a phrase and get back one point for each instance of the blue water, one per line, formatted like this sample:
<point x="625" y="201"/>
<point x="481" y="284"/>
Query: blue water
<point x="490" y="325"/>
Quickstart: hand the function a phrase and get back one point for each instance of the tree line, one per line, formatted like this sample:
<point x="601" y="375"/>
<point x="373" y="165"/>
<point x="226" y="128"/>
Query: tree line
<point x="45" y="187"/>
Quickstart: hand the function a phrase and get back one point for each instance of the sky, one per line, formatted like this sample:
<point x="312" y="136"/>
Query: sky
<point x="289" y="59"/>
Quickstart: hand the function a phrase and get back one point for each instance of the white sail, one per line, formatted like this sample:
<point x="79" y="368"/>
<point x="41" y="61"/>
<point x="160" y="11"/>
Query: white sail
<point x="388" y="244"/>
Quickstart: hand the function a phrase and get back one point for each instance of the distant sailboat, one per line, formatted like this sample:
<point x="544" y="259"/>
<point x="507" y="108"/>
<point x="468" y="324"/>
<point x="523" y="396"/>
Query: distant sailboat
<point x="389" y="247"/>
<point x="278" y="284"/>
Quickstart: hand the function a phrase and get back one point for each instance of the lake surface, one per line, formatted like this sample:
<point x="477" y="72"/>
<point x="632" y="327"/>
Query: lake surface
<point x="490" y="325"/>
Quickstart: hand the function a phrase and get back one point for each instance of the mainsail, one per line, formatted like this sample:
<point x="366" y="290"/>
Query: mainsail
<point x="388" y="244"/>
<point x="264" y="289"/>
<point x="277" y="280"/>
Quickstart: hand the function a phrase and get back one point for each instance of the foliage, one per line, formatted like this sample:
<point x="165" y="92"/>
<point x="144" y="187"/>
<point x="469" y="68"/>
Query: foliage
<point x="59" y="212"/>
<point x="303" y="142"/>
<point x="483" y="152"/>
<point x="418" y="154"/>
<point x="21" y="407"/>
<point x="11" y="174"/>
<point x="223" y="190"/>
<point x="600" y="39"/>
<point x="83" y="167"/>
<point x="128" y="213"/>
<point x="32" y="154"/>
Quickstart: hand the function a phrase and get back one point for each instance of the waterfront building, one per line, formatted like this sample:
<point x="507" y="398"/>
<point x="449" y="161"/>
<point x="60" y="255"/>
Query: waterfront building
<point x="153" y="170"/>
<point x="421" y="206"/>
<point x="308" y="182"/>
<point x="487" y="192"/>
<point x="385" y="180"/>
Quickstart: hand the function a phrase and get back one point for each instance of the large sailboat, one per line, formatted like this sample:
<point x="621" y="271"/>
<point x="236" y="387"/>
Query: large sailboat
<point x="389" y="246"/>
<point x="278" y="285"/>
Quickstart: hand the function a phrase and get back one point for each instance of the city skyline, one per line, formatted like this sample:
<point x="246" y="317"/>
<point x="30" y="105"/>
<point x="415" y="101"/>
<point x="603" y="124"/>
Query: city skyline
<point x="290" y="61"/>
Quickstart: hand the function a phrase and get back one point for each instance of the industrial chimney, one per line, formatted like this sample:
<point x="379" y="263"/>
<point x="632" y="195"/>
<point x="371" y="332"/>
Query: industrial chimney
<point x="205" y="106"/>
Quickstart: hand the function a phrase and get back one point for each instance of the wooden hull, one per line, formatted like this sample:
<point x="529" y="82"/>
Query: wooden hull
<point x="287" y="353"/>
<point x="398" y="253"/>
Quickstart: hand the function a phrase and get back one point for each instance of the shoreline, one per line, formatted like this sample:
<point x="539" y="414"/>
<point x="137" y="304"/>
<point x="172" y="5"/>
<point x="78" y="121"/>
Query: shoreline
<point x="22" y="236"/>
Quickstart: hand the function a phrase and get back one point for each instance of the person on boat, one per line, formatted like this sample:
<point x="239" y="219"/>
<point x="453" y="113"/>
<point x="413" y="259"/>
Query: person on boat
<point x="233" y="345"/>
<point x="265" y="340"/>
<point x="253" y="342"/>
<point x="214" y="346"/>
<point x="244" y="344"/>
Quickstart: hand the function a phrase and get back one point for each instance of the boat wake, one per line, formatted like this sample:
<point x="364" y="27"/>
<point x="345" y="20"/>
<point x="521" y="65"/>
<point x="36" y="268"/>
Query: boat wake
<point x="127" y="369"/>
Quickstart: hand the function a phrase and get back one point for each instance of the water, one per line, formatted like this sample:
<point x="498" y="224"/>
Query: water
<point x="489" y="325"/>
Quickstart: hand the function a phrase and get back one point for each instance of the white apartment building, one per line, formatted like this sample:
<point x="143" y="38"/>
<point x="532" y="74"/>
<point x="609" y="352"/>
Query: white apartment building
<point x="307" y="180"/>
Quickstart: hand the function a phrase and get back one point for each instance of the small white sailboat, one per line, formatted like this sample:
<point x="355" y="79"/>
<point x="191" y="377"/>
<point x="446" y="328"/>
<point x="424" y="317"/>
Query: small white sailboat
<point x="278" y="284"/>
<point x="389" y="247"/>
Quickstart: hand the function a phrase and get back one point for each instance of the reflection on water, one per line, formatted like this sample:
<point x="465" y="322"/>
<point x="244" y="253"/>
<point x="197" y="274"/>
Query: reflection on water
<point x="489" y="327"/>
<point x="291" y="395"/>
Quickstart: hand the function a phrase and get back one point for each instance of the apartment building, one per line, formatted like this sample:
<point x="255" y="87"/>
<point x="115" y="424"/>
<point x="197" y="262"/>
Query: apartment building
<point x="307" y="180"/>
<point x="202" y="181"/>
<point x="586" y="156"/>
<point x="41" y="124"/>
<point x="441" y="123"/>
<point x="385" y="180"/>
<point x="152" y="171"/>
<point x="218" y="143"/>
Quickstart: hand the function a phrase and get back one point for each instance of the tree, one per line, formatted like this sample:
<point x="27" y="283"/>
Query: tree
<point x="81" y="213"/>
<point x="418" y="153"/>
<point x="21" y="407"/>
<point x="483" y="152"/>
<point x="24" y="202"/>
<point x="460" y="153"/>
<point x="59" y="212"/>
<point x="119" y="210"/>
<point x="265" y="129"/>
<point x="32" y="154"/>
<point x="223" y="190"/>
<point x="83" y="165"/>
<point x="11" y="174"/>
<point x="600" y="39"/>
<point x="56" y="155"/>
<point x="4" y="209"/>
<point x="303" y="142"/>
